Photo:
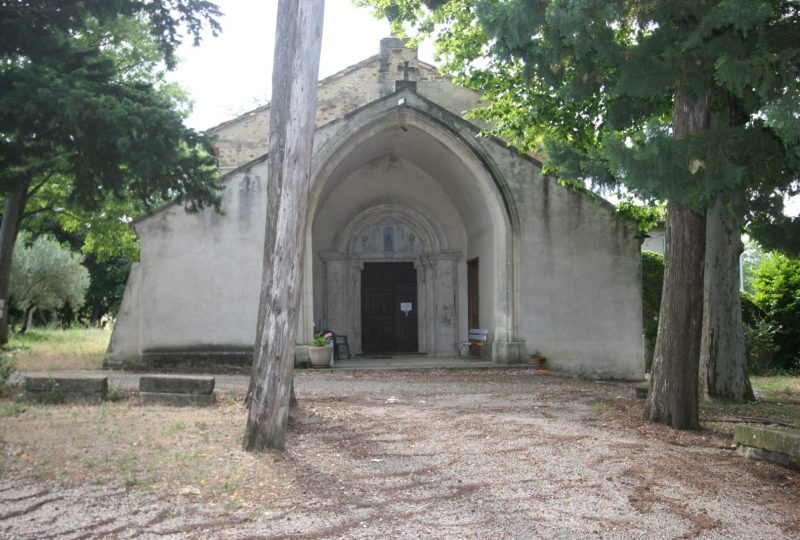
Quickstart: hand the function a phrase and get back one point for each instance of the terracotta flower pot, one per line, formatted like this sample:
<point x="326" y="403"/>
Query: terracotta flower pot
<point x="536" y="362"/>
<point x="320" y="356"/>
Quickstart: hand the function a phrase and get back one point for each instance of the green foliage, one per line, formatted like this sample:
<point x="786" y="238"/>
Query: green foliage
<point x="652" y="285"/>
<point x="592" y="84"/>
<point x="321" y="339"/>
<point x="46" y="275"/>
<point x="7" y="368"/>
<point x="759" y="338"/>
<point x="104" y="296"/>
<point x="54" y="393"/>
<point x="760" y="346"/>
<point x="87" y="118"/>
<point x="90" y="129"/>
<point x="646" y="217"/>
<point x="777" y="294"/>
<point x="50" y="349"/>
<point x="751" y="313"/>
<point x="108" y="272"/>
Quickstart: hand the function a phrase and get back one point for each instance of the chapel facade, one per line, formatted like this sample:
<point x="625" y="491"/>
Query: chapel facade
<point x="419" y="230"/>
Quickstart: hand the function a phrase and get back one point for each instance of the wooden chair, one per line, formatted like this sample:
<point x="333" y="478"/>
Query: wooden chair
<point x="476" y="340"/>
<point x="339" y="343"/>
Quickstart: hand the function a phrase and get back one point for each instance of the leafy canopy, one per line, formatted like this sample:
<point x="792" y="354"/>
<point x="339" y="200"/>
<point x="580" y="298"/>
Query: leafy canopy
<point x="47" y="275"/>
<point x="84" y="111"/>
<point x="592" y="84"/>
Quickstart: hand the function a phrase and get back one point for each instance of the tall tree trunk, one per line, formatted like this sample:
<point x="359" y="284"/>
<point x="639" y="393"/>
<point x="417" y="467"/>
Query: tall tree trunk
<point x="293" y="109"/>
<point x="673" y="398"/>
<point x="13" y="211"/>
<point x="723" y="362"/>
<point x="27" y="320"/>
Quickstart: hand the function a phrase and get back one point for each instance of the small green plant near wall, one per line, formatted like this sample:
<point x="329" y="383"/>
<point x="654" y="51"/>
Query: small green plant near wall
<point x="7" y="367"/>
<point x="321" y="340"/>
<point x="114" y="393"/>
<point x="54" y="393"/>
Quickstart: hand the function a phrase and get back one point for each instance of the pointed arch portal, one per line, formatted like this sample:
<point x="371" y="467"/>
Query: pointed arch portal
<point x="397" y="185"/>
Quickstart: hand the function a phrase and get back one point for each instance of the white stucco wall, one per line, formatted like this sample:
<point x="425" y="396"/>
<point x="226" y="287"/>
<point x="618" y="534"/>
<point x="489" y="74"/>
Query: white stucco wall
<point x="580" y="278"/>
<point x="199" y="276"/>
<point x="657" y="240"/>
<point x="559" y="272"/>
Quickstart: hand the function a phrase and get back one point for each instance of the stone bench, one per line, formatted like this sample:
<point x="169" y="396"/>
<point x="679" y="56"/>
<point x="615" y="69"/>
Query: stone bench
<point x="66" y="389"/>
<point x="176" y="390"/>
<point x="770" y="444"/>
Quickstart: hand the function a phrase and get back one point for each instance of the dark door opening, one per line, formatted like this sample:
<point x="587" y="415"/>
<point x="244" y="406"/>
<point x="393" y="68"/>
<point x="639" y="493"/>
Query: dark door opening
<point x="389" y="308"/>
<point x="473" y="298"/>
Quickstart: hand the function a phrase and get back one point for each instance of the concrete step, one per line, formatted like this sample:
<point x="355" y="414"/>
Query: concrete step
<point x="176" y="384"/>
<point x="66" y="389"/>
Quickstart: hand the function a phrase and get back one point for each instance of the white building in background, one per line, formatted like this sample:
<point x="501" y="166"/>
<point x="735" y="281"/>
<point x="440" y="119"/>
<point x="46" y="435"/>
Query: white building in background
<point x="418" y="230"/>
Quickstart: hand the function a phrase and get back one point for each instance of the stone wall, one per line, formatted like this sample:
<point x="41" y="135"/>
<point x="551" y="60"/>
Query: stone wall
<point x="245" y="138"/>
<point x="195" y="292"/>
<point x="559" y="271"/>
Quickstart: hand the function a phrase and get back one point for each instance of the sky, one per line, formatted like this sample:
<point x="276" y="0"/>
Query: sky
<point x="231" y="74"/>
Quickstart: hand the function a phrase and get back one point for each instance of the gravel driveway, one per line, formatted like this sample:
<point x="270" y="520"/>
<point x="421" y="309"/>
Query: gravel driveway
<point x="459" y="454"/>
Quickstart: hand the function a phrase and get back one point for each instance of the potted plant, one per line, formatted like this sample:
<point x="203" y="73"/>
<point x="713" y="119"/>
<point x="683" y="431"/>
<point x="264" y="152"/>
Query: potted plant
<point x="320" y="352"/>
<point x="536" y="359"/>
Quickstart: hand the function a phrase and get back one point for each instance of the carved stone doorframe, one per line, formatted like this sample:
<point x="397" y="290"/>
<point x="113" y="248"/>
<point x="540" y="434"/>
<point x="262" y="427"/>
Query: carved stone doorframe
<point x="393" y="232"/>
<point x="437" y="298"/>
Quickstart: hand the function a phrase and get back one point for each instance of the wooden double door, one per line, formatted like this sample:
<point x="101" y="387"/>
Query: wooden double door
<point x="389" y="308"/>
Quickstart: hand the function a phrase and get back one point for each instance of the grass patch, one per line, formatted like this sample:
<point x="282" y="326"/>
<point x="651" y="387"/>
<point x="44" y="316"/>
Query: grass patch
<point x="41" y="349"/>
<point x="778" y="388"/>
<point x="153" y="448"/>
<point x="779" y="401"/>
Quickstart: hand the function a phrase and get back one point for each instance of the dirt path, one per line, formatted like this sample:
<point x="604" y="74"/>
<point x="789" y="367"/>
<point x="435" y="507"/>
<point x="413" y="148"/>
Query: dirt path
<point x="511" y="454"/>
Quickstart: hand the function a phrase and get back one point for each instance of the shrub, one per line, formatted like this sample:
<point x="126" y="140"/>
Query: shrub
<point x="777" y="294"/>
<point x="760" y="347"/>
<point x="7" y="367"/>
<point x="652" y="283"/>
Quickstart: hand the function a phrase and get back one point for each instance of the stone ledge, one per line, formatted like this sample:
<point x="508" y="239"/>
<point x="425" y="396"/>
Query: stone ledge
<point x="779" y="445"/>
<point x="775" y="440"/>
<point x="66" y="389"/>
<point x="176" y="384"/>
<point x="765" y="455"/>
<point x="167" y="398"/>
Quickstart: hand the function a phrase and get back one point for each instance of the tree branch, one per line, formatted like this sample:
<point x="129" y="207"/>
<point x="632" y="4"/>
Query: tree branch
<point x="37" y="187"/>
<point x="38" y="211"/>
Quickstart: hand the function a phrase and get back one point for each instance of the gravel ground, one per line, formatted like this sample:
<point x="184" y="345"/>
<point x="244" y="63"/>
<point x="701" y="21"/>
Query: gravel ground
<point x="458" y="454"/>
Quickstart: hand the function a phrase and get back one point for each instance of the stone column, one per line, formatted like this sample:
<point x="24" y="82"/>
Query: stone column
<point x="445" y="305"/>
<point x="356" y="266"/>
<point x="424" y="331"/>
<point x="336" y="294"/>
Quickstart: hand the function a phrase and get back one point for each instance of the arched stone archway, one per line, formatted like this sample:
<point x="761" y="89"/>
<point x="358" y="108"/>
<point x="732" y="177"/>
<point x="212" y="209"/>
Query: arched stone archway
<point x="453" y="204"/>
<point x="393" y="232"/>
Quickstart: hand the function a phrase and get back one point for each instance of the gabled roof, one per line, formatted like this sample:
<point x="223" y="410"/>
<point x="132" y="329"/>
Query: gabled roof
<point x="338" y="75"/>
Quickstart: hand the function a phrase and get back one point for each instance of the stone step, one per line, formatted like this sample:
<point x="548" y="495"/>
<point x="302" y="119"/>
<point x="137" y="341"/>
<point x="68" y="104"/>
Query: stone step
<point x="168" y="398"/>
<point x="779" y="445"/>
<point x="176" y="384"/>
<point x="66" y="389"/>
